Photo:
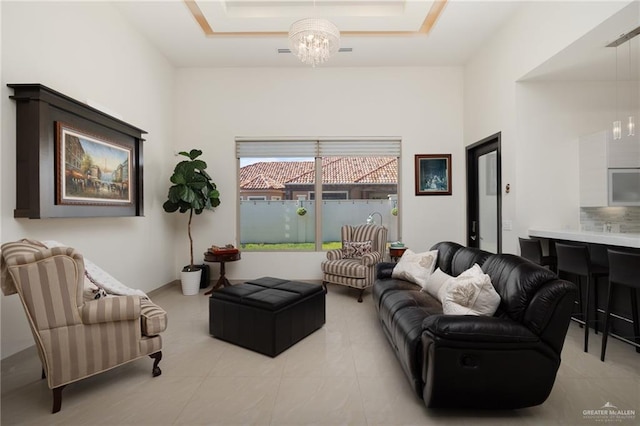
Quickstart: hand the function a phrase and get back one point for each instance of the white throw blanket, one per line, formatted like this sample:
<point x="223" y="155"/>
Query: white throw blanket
<point x="101" y="278"/>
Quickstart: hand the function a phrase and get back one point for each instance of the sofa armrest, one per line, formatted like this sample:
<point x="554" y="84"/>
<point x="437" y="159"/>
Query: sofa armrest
<point x="334" y="254"/>
<point x="470" y="328"/>
<point x="111" y="309"/>
<point x="372" y="258"/>
<point x="384" y="270"/>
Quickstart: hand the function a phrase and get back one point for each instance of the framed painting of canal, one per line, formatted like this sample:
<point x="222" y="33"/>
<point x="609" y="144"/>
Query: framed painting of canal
<point x="433" y="174"/>
<point x="73" y="159"/>
<point x="90" y="169"/>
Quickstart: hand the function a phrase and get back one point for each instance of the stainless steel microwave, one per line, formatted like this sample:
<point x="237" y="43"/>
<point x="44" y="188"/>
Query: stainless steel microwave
<point x="624" y="187"/>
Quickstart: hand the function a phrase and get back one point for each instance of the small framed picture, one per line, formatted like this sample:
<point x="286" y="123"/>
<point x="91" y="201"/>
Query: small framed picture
<point x="433" y="174"/>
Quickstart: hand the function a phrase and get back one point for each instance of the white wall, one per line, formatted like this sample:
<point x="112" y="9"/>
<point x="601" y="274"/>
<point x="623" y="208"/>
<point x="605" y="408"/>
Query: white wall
<point x="87" y="51"/>
<point x="421" y="105"/>
<point x="536" y="32"/>
<point x="551" y="118"/>
<point x="1" y="105"/>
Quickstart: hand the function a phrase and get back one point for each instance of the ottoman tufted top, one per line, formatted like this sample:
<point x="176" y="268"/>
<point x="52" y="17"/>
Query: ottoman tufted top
<point x="267" y="293"/>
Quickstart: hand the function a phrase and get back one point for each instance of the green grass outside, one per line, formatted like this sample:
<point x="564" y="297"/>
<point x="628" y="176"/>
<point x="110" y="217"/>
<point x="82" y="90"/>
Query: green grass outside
<point x="289" y="246"/>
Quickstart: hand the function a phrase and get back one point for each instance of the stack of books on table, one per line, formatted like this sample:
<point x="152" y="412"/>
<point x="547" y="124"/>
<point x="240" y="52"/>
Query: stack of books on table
<point x="228" y="249"/>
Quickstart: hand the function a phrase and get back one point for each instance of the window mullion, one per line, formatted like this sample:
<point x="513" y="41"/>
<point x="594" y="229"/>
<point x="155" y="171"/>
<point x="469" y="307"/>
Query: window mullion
<point x="318" y="207"/>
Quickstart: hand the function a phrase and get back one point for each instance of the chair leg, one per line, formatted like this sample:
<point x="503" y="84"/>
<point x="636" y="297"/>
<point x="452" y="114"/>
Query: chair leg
<point x="156" y="357"/>
<point x="580" y="300"/>
<point x="605" y="332"/>
<point x="324" y="286"/>
<point x="57" y="399"/>
<point x="595" y="304"/>
<point x="360" y="295"/>
<point x="586" y="315"/>
<point x="634" y="316"/>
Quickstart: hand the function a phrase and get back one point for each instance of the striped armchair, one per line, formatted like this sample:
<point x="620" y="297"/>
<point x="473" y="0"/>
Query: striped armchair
<point x="354" y="265"/>
<point x="77" y="338"/>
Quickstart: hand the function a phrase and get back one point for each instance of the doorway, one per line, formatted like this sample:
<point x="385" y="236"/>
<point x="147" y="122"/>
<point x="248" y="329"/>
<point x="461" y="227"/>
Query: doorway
<point x="484" y="195"/>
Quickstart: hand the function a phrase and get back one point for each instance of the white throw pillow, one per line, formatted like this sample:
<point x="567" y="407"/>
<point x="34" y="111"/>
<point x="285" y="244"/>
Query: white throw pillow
<point x="415" y="267"/>
<point x="470" y="293"/>
<point x="475" y="270"/>
<point x="436" y="281"/>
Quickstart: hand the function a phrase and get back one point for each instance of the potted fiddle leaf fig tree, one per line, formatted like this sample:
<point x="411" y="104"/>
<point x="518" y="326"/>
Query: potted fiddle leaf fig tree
<point x="192" y="191"/>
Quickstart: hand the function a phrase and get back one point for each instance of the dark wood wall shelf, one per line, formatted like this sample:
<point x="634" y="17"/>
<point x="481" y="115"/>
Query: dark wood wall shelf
<point x="38" y="109"/>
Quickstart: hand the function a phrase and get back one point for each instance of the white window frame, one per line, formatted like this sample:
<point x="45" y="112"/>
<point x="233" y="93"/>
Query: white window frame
<point x="250" y="147"/>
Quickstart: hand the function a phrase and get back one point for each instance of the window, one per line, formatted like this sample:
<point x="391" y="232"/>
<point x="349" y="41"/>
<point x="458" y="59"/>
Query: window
<point x="355" y="177"/>
<point x="331" y="195"/>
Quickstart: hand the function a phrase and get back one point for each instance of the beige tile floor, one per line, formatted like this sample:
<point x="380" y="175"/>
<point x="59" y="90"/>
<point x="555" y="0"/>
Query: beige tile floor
<point x="344" y="373"/>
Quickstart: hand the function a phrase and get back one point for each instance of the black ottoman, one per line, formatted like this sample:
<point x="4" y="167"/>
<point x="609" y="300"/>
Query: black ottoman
<point x="267" y="315"/>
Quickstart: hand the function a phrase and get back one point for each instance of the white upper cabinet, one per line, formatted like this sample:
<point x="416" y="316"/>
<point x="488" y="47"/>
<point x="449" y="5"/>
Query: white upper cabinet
<point x="593" y="170"/>
<point x="598" y="153"/>
<point x="624" y="153"/>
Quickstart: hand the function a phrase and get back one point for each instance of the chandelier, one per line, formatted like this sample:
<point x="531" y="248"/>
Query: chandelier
<point x="314" y="40"/>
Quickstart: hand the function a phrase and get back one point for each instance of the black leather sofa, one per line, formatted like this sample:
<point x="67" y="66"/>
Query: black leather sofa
<point x="508" y="360"/>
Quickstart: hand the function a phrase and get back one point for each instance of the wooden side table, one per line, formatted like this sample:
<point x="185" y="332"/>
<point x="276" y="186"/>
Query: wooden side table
<point x="221" y="258"/>
<point x="396" y="252"/>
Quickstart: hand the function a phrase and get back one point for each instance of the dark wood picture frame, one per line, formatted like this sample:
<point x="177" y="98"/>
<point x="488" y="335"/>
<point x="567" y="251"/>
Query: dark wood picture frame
<point x="91" y="170"/>
<point x="38" y="110"/>
<point x="433" y="174"/>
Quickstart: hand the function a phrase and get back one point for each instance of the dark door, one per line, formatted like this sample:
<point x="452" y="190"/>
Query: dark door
<point x="484" y="200"/>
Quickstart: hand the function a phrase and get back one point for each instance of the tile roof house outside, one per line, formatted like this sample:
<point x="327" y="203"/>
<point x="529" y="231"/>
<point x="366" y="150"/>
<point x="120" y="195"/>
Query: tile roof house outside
<point x="353" y="177"/>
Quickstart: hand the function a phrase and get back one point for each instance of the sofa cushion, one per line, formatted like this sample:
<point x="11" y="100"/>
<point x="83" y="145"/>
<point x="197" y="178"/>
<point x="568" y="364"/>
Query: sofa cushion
<point x="465" y="258"/>
<point x="394" y="303"/>
<point x="415" y="267"/>
<point x="446" y="250"/>
<point x="382" y="287"/>
<point x="470" y="293"/>
<point x="407" y="334"/>
<point x="516" y="280"/>
<point x="352" y="268"/>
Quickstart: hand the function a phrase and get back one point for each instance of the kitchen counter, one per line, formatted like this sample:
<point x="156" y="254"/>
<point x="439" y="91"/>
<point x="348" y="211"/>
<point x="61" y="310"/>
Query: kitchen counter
<point x="606" y="238"/>
<point x="598" y="243"/>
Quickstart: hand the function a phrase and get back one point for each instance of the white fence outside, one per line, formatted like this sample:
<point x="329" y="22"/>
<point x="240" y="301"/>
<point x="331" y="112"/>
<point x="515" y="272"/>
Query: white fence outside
<point x="277" y="221"/>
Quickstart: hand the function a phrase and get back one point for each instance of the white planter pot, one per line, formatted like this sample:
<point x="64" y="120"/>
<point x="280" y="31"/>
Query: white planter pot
<point x="190" y="282"/>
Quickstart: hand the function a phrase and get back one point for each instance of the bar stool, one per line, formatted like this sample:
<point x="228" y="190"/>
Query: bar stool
<point x="574" y="259"/>
<point x="624" y="269"/>
<point x="531" y="249"/>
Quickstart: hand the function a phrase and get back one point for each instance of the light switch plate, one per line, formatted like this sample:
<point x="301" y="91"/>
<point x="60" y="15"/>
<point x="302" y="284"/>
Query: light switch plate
<point x="507" y="225"/>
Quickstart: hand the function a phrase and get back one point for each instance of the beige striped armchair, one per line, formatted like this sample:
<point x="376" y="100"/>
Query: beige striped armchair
<point x="354" y="265"/>
<point x="76" y="338"/>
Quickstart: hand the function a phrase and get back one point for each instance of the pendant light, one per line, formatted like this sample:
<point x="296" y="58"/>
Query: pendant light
<point x="617" y="124"/>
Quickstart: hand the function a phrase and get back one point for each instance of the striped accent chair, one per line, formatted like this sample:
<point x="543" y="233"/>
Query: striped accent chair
<point x="75" y="338"/>
<point x="354" y="265"/>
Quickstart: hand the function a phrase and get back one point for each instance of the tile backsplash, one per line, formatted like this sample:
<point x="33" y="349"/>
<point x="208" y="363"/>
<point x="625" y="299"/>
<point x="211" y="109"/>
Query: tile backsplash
<point x="622" y="219"/>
